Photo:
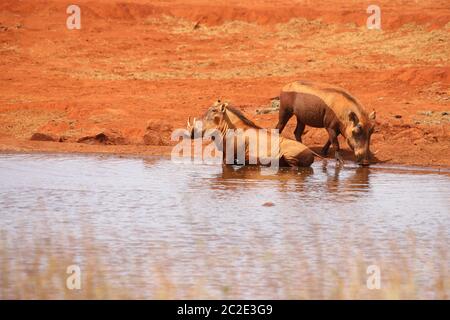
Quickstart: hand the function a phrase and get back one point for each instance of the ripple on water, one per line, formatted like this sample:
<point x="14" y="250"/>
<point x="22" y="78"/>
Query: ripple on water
<point x="187" y="216"/>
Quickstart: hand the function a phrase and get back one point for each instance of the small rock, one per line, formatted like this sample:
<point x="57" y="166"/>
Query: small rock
<point x="268" y="204"/>
<point x="38" y="136"/>
<point x="105" y="137"/>
<point x="272" y="108"/>
<point x="264" y="111"/>
<point x="157" y="133"/>
<point x="397" y="116"/>
<point x="275" y="104"/>
<point x="152" y="138"/>
<point x="197" y="25"/>
<point x="445" y="113"/>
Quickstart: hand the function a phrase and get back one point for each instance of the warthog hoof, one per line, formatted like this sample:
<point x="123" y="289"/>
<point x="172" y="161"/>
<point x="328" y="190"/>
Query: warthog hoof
<point x="338" y="157"/>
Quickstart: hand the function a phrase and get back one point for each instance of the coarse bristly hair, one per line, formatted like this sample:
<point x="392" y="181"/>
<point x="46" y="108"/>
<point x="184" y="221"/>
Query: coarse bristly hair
<point x="242" y="117"/>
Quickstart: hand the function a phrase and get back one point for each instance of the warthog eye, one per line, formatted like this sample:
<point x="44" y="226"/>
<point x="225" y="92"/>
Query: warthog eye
<point x="357" y="129"/>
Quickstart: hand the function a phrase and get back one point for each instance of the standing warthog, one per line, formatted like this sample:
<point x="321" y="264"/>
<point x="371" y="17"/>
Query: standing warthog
<point x="330" y="107"/>
<point x="222" y="118"/>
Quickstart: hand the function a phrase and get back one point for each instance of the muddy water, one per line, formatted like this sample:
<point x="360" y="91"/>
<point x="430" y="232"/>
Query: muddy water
<point x="153" y="228"/>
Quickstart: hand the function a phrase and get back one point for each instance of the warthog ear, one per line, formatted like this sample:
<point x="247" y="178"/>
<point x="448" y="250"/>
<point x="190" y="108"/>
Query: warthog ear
<point x="372" y="115"/>
<point x="353" y="118"/>
<point x="223" y="107"/>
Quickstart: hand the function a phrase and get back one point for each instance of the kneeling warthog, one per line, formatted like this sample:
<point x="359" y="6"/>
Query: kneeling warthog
<point x="222" y="118"/>
<point x="330" y="107"/>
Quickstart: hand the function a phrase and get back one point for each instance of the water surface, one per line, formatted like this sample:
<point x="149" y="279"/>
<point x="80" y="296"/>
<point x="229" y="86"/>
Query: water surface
<point x="223" y="231"/>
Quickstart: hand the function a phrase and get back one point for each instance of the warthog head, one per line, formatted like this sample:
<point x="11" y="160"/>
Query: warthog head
<point x="213" y="119"/>
<point x="358" y="134"/>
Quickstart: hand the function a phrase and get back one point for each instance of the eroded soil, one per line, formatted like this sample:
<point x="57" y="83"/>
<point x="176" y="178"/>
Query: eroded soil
<point x="137" y="69"/>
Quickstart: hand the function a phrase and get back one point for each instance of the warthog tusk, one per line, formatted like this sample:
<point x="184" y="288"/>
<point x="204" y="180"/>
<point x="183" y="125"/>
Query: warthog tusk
<point x="375" y="152"/>
<point x="189" y="125"/>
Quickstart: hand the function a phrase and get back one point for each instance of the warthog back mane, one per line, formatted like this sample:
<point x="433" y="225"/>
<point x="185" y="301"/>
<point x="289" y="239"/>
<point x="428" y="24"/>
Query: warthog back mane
<point x="241" y="116"/>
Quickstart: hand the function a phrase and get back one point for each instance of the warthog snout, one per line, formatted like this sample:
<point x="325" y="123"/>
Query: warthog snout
<point x="365" y="162"/>
<point x="362" y="158"/>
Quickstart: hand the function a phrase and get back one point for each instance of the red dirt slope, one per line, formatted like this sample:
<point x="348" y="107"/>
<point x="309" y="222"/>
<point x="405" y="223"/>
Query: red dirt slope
<point x="137" y="69"/>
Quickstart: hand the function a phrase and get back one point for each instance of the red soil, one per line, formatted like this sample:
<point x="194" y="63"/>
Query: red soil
<point x="137" y="69"/>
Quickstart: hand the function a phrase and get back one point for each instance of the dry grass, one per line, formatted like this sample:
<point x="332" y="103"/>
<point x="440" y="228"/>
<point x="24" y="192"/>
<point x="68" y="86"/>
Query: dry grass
<point x="285" y="49"/>
<point x="25" y="121"/>
<point x="182" y="26"/>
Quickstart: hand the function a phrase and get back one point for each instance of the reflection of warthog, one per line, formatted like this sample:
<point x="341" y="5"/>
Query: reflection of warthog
<point x="357" y="182"/>
<point x="330" y="107"/>
<point x="257" y="174"/>
<point x="343" y="182"/>
<point x="222" y="118"/>
<point x="248" y="177"/>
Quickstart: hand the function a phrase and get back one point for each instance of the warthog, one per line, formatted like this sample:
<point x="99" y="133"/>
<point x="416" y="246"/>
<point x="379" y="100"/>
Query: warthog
<point x="222" y="117"/>
<point x="330" y="107"/>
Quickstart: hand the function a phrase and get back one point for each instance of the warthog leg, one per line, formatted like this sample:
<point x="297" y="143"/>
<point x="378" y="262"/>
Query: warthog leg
<point x="326" y="147"/>
<point x="338" y="157"/>
<point x="299" y="130"/>
<point x="334" y="141"/>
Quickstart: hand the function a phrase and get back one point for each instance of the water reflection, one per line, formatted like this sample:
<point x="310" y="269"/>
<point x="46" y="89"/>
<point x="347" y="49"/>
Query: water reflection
<point x="330" y="179"/>
<point x="248" y="177"/>
<point x="209" y="222"/>
<point x="339" y="179"/>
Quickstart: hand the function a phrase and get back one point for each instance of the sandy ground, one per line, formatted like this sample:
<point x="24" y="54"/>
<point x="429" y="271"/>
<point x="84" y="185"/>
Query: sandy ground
<point x="137" y="69"/>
